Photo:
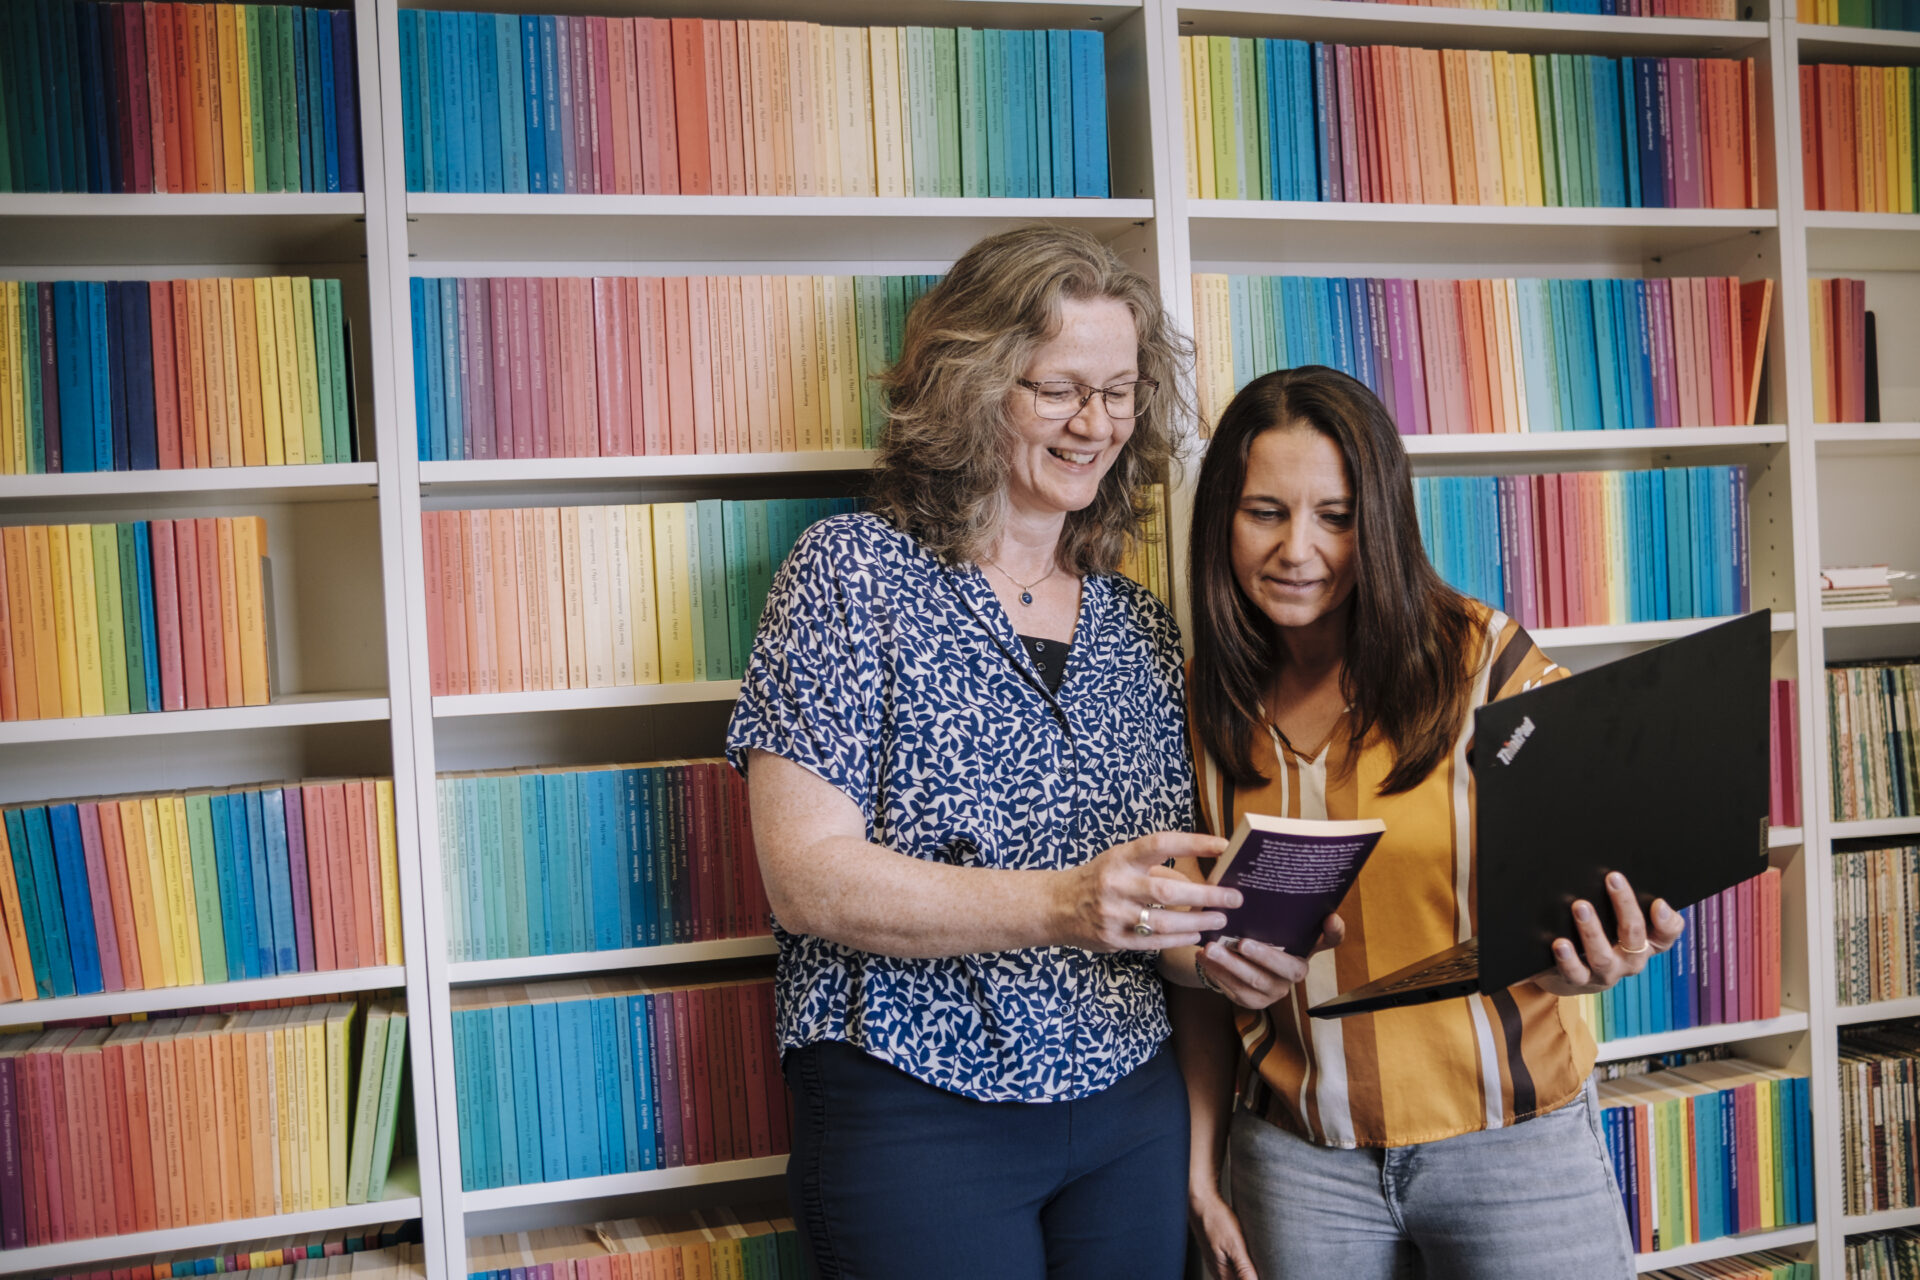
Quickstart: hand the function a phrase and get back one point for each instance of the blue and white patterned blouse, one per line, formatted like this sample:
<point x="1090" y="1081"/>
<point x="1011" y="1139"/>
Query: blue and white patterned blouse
<point x="901" y="681"/>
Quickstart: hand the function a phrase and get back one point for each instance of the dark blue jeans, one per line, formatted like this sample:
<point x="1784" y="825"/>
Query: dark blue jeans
<point x="892" y="1178"/>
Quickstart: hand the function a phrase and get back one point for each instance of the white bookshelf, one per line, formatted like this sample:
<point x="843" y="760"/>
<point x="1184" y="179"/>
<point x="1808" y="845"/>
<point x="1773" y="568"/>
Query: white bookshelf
<point x="288" y="986"/>
<point x="348" y="569"/>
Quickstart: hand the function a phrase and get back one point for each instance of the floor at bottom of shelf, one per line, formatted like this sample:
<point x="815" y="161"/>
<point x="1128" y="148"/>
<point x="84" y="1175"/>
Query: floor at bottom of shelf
<point x="402" y="1203"/>
<point x="1724" y="1247"/>
<point x="622" y="1184"/>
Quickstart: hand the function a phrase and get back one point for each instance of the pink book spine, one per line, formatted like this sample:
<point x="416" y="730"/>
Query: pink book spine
<point x="1776" y="791"/>
<point x="213" y="636"/>
<point x="103" y="927"/>
<point x="602" y="101"/>
<point x="616" y="366"/>
<point x="499" y="332"/>
<point x="539" y="324"/>
<point x="646" y="124"/>
<point x="603" y="362"/>
<point x="585" y="373"/>
<point x="563" y="373"/>
<point x="376" y="908"/>
<point x="193" y="652"/>
<point x="701" y="362"/>
<point x="319" y="883"/>
<point x="620" y="98"/>
<point x="680" y="415"/>
<point x="166" y="614"/>
<point x="634" y="421"/>
<point x="519" y="367"/>
<point x="436" y="621"/>
<point x="1793" y="754"/>
<point x="585" y="155"/>
<point x="661" y="82"/>
<point x="634" y="68"/>
<point x="651" y="344"/>
<point x="479" y="369"/>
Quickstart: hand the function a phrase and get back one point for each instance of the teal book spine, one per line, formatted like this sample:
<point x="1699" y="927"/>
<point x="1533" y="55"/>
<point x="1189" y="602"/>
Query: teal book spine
<point x="971" y="75"/>
<point x="48" y="895"/>
<point x="946" y="89"/>
<point x="759" y="565"/>
<point x="479" y="941"/>
<point x="645" y="1100"/>
<point x="712" y="573"/>
<point x="510" y="103"/>
<point x="486" y="47"/>
<point x="472" y="103"/>
<point x="452" y="874"/>
<point x="236" y="902"/>
<point x="149" y="642"/>
<point x="433" y="102"/>
<point x="619" y="1027"/>
<point x="600" y="792"/>
<point x="513" y="879"/>
<point x="210" y="890"/>
<point x="578" y="1085"/>
<point x="606" y="1074"/>
<point x="505" y="1113"/>
<point x="553" y="1092"/>
<point x="559" y="861"/>
<point x="1607" y="356"/>
<point x="734" y="551"/>
<point x="286" y="946"/>
<point x="993" y="109"/>
<point x="532" y="846"/>
<point x="410" y="121"/>
<point x="1090" y="114"/>
<point x="21" y="852"/>
<point x="659" y="852"/>
<point x="579" y="864"/>
<point x="492" y="840"/>
<point x="485" y="1108"/>
<point x="526" y="1093"/>
<point x="472" y="1162"/>
<point x="1040" y="112"/>
<point x="1017" y="66"/>
<point x="254" y="831"/>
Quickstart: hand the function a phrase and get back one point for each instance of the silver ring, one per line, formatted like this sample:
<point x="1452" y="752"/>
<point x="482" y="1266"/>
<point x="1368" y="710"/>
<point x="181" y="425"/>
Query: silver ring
<point x="1640" y="950"/>
<point x="1145" y="927"/>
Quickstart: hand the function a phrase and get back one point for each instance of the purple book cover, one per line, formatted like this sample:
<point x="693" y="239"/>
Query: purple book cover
<point x="1416" y="360"/>
<point x="1382" y="348"/>
<point x="1715" y="975"/>
<point x="12" y="1198"/>
<point x="502" y="371"/>
<point x="1529" y="556"/>
<point x="297" y="866"/>
<point x="103" y="928"/>
<point x="479" y="363"/>
<point x="1291" y="874"/>
<point x="1660" y="328"/>
<point x="1684" y="95"/>
<point x="666" y="1078"/>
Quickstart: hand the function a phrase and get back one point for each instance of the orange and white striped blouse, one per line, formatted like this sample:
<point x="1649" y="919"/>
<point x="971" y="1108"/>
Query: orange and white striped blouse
<point x="1401" y="1076"/>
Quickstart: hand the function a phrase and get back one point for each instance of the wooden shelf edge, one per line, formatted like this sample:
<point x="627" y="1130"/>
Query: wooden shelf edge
<point x="1790" y="1020"/>
<point x="108" y="1004"/>
<point x="523" y="968"/>
<point x="621" y="1184"/>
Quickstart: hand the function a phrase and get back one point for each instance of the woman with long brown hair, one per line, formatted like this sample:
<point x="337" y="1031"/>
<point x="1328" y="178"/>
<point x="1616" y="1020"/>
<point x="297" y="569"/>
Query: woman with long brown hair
<point x="1334" y="676"/>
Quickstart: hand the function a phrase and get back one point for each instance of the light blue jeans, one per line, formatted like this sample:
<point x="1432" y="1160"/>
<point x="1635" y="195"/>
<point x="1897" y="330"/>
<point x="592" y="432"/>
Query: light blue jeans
<point x="1536" y="1199"/>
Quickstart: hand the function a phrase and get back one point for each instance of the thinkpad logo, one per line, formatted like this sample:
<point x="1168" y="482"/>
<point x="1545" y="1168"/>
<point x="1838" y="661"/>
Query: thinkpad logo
<point x="1519" y="739"/>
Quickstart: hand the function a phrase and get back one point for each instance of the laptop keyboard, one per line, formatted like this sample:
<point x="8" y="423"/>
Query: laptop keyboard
<point x="1462" y="965"/>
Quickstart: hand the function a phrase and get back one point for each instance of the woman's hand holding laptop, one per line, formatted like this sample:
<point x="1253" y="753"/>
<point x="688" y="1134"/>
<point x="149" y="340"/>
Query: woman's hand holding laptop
<point x="1599" y="962"/>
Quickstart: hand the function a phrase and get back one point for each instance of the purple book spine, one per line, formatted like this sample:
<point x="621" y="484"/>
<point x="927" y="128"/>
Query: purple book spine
<point x="500" y="327"/>
<point x="479" y="371"/>
<point x="1685" y="97"/>
<point x="297" y="866"/>
<point x="1660" y="324"/>
<point x="103" y="930"/>
<point x="1663" y="98"/>
<point x="12" y="1199"/>
<point x="1716" y="970"/>
<point x="667" y="1062"/>
<point x="1410" y="384"/>
<point x="49" y="381"/>
<point x="1529" y="554"/>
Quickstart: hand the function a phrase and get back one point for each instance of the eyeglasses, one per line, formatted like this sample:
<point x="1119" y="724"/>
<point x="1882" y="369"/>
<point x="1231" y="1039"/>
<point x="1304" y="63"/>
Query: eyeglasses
<point x="1059" y="401"/>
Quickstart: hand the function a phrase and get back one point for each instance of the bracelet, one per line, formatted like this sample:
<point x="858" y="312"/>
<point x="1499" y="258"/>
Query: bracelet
<point x="1200" y="971"/>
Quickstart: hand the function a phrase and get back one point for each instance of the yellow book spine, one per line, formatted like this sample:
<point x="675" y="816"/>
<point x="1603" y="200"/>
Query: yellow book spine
<point x="319" y="1146"/>
<point x="53" y="620"/>
<point x="233" y="107"/>
<point x="1200" y="50"/>
<point x="230" y="358"/>
<point x="189" y="895"/>
<point x="159" y="878"/>
<point x="672" y="591"/>
<point x="1903" y="116"/>
<point x="272" y="429"/>
<point x="1822" y="355"/>
<point x="133" y="838"/>
<point x="246" y="355"/>
<point x="9" y="341"/>
<point x="287" y="357"/>
<point x="1222" y="301"/>
<point x="1223" y="124"/>
<point x="245" y="74"/>
<point x="339" y="1034"/>
<point x="389" y="870"/>
<point x="220" y="433"/>
<point x="249" y="538"/>
<point x="86" y="620"/>
<point x="176" y="881"/>
<point x="1189" y="118"/>
<point x="315" y="449"/>
<point x="800" y="352"/>
<point x="287" y="1116"/>
<point x="111" y="619"/>
<point x="646" y="620"/>
<point x="848" y="317"/>
<point x="835" y="361"/>
<point x="15" y="921"/>
<point x="1765" y="1108"/>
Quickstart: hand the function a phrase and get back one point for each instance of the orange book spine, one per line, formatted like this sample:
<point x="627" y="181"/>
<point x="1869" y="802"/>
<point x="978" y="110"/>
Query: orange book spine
<point x="188" y="430"/>
<point x="483" y="672"/>
<point x="229" y="611"/>
<point x="10" y="911"/>
<point x="346" y="945"/>
<point x="131" y="1061"/>
<point x="253" y="442"/>
<point x="9" y="703"/>
<point x="206" y="536"/>
<point x="240" y="1083"/>
<point x="690" y="107"/>
<point x="435" y="607"/>
<point x="678" y="341"/>
<point x="120" y="896"/>
<point x="226" y="1121"/>
<point x="553" y="616"/>
<point x="453" y="602"/>
<point x="212" y="1168"/>
<point x="638" y="69"/>
<point x="214" y="348"/>
<point x="185" y="1190"/>
<point x="196" y="349"/>
<point x="117" y="1125"/>
<point x="359" y="865"/>
<point x="198" y="117"/>
<point x="573" y="598"/>
<point x="163" y="1111"/>
<point x="508" y="617"/>
<point x="76" y="1149"/>
<point x="1473" y="342"/>
<point x="20" y="622"/>
<point x="210" y="67"/>
<point x="620" y="100"/>
<point x="267" y="1194"/>
<point x="1702" y="350"/>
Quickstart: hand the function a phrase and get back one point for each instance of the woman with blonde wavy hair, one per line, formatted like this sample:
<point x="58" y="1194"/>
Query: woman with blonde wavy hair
<point x="963" y="737"/>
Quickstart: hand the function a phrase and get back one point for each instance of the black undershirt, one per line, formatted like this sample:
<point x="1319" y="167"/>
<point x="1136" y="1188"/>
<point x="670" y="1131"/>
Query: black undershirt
<point x="1050" y="656"/>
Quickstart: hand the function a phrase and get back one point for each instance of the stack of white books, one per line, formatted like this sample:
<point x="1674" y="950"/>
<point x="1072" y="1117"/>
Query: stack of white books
<point x="1868" y="586"/>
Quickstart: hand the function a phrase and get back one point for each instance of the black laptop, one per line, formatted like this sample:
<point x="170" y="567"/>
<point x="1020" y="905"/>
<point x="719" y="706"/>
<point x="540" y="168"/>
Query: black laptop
<point x="1655" y="766"/>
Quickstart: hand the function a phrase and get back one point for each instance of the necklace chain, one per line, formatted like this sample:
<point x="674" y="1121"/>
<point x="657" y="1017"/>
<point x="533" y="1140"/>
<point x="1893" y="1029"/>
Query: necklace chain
<point x="1026" y="588"/>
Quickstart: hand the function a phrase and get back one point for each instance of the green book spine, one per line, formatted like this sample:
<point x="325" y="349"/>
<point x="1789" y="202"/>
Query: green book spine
<point x="344" y="443"/>
<point x="1042" y="115"/>
<point x="1544" y="126"/>
<point x="206" y="889"/>
<point x="366" y="1103"/>
<point x="265" y="29"/>
<point x="1246" y="98"/>
<point x="130" y="621"/>
<point x="453" y="878"/>
<point x="896" y="318"/>
<point x="511" y="846"/>
<point x="713" y="588"/>
<point x="738" y="551"/>
<point x="870" y="298"/>
<point x="917" y="113"/>
<point x="477" y="934"/>
<point x="946" y="88"/>
<point x="993" y="108"/>
<point x="322" y="313"/>
<point x="495" y="869"/>
<point x="391" y="1069"/>
<point x="759" y="562"/>
<point x="113" y="636"/>
<point x="972" y="140"/>
<point x="1263" y="113"/>
<point x="696" y="595"/>
<point x="1566" y="129"/>
<point x="1589" y="135"/>
<point x="532" y="834"/>
<point x="249" y="16"/>
<point x="1225" y="117"/>
<point x="290" y="140"/>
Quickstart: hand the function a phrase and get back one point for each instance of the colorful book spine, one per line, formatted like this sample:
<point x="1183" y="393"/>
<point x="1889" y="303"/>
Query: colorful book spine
<point x="1722" y="10"/>
<point x="98" y="612"/>
<point x="693" y="106"/>
<point x="1766" y="1264"/>
<point x="597" y="859"/>
<point x="1498" y="356"/>
<point x="1386" y="124"/>
<point x="1883" y="15"/>
<point x="1859" y="144"/>
<point x="576" y="1079"/>
<point x="1725" y="968"/>
<point x="179" y="97"/>
<point x="392" y="1249"/>
<point x="1146" y="557"/>
<point x="591" y="597"/>
<point x="164" y="374"/>
<point x="207" y="1117"/>
<point x="724" y="1240"/>
<point x="1878" y="1255"/>
<point x="1875" y="763"/>
<point x="1845" y="379"/>
<point x="540" y="367"/>
<point x="1877" y="1072"/>
<point x="1593" y="548"/>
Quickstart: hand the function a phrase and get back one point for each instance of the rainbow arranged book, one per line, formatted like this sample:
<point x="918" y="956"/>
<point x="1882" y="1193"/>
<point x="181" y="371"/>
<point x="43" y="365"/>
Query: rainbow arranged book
<point x="693" y="106"/>
<point x="154" y="615"/>
<point x="1875" y="765"/>
<point x="721" y="1240"/>
<point x="138" y="375"/>
<point x="178" y="98"/>
<point x="1593" y="547"/>
<point x="1723" y="10"/>
<point x="576" y="1079"/>
<point x="1885" y="15"/>
<point x="554" y="861"/>
<point x="591" y="597"/>
<point x="1878" y="1069"/>
<point x="1460" y="356"/>
<point x="1845" y="381"/>
<point x="544" y="367"/>
<point x="1859" y="129"/>
<point x="1291" y="120"/>
<point x="179" y="889"/>
<point x="1725" y="968"/>
<point x="178" y="1121"/>
<point x="378" y="1253"/>
<point x="1708" y="1150"/>
<point x="1767" y="1264"/>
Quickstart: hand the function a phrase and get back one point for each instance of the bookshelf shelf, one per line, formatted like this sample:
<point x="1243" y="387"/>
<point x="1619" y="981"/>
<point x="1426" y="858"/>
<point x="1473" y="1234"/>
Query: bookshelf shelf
<point x="626" y="695"/>
<point x="41" y="229"/>
<point x="1866" y="439"/>
<point x="261" y="484"/>
<point x="292" y="711"/>
<point x="1343" y="20"/>
<point x="1227" y="232"/>
<point x="1552" y="638"/>
<point x="1785" y="837"/>
<point x="1874" y="828"/>
<point x="111" y="1004"/>
<point x="738" y="229"/>
<point x="522" y="968"/>
<point x="1878" y="1011"/>
<point x="622" y="1184"/>
<point x="1724" y="1247"/>
<point x="1821" y="43"/>
<point x="1558" y="445"/>
<point x="1899" y="615"/>
<point x="1886" y="1220"/>
<point x="1840" y="242"/>
<point x="400" y="1206"/>
<point x="515" y="476"/>
<point x="1789" y="1021"/>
